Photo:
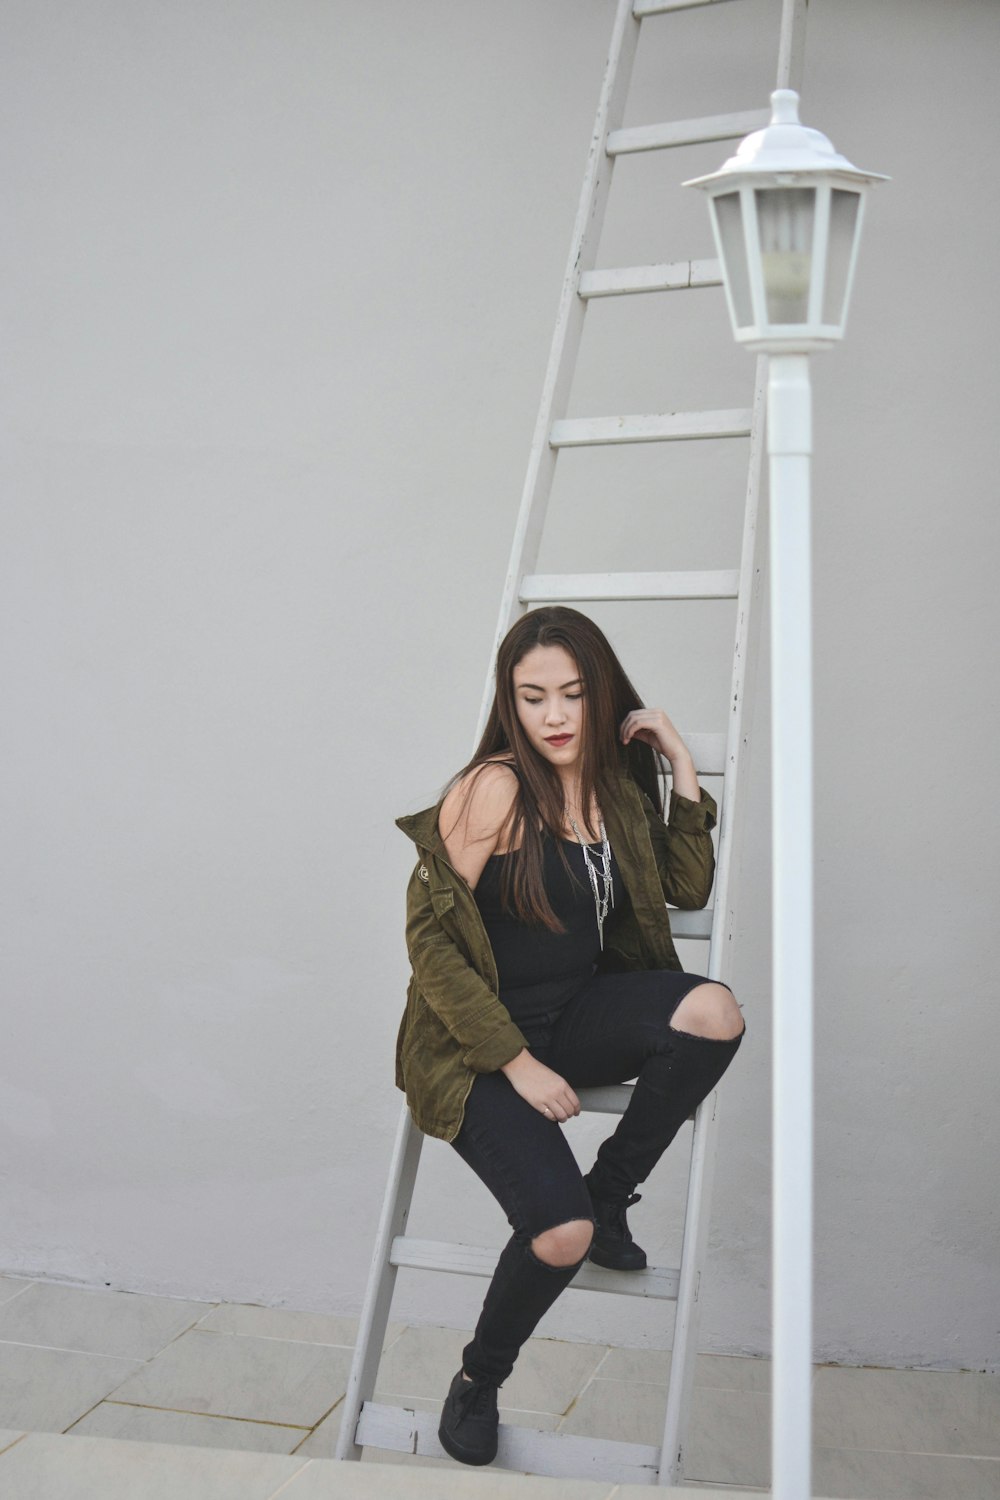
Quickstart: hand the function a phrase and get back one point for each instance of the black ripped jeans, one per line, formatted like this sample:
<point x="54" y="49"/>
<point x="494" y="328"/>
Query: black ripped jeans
<point x="616" y="1027"/>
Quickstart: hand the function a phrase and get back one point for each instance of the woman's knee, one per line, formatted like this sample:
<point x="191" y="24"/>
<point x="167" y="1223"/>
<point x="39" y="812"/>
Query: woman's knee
<point x="564" y="1244"/>
<point x="709" y="1010"/>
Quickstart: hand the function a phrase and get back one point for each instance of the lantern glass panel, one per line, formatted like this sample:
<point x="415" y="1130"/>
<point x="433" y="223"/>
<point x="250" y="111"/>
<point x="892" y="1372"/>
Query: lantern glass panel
<point x="843" y="225"/>
<point x="785" y="217"/>
<point x="729" y="221"/>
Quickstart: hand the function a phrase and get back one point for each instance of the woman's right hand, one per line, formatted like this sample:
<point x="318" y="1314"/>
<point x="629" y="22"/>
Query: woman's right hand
<point x="544" y="1090"/>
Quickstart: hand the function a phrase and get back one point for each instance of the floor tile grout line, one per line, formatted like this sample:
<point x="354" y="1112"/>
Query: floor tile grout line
<point x="661" y="1385"/>
<point x="989" y="1458"/>
<point x="211" y="1416"/>
<point x="14" y="1295"/>
<point x="264" y="1338"/>
<point x="90" y="1409"/>
<point x="147" y="1359"/>
<point x="286" y="1482"/>
<point x="131" y="1359"/>
<point x="392" y="1342"/>
<point x="586" y="1386"/>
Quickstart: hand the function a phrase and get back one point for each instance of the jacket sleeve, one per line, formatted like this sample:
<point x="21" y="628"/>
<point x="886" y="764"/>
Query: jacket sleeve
<point x="451" y="987"/>
<point x="685" y="858"/>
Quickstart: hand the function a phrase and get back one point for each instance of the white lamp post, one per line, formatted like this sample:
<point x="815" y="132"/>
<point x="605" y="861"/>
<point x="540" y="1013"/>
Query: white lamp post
<point x="786" y="214"/>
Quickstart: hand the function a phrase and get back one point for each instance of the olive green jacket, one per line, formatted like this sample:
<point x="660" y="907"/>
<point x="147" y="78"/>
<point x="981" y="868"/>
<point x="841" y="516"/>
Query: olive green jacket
<point x="454" y="1025"/>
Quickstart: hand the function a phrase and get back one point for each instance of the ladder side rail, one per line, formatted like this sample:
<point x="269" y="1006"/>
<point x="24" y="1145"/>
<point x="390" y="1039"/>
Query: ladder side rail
<point x="697" y="1216"/>
<point x="792" y="44"/>
<point x="745" y="658"/>
<point x="791" y="53"/>
<point x="568" y="331"/>
<point x="527" y="535"/>
<point x="684" y="1350"/>
<point x="381" y="1283"/>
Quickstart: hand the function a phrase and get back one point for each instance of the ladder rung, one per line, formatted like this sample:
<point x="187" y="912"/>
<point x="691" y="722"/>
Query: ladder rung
<point x="606" y="1098"/>
<point x="658" y="1282"/>
<point x="708" y="751"/>
<point x="671" y="276"/>
<point x="658" y="7"/>
<point x="685" y="132"/>
<point x="558" y="1454"/>
<point x="723" y="583"/>
<point x="691" y="924"/>
<point x="675" y="426"/>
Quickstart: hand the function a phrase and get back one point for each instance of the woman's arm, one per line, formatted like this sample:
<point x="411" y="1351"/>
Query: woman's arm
<point x="652" y="726"/>
<point x="545" y="1090"/>
<point x="685" y="858"/>
<point x="469" y="822"/>
<point x="452" y="988"/>
<point x="472" y="815"/>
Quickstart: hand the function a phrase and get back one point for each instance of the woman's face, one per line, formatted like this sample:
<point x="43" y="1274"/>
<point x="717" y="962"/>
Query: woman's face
<point x="548" y="693"/>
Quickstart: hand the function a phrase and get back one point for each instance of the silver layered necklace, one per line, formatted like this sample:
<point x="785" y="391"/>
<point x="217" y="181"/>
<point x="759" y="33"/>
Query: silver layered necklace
<point x="599" y="870"/>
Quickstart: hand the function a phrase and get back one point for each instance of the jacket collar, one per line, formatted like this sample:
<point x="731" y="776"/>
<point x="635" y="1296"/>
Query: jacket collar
<point x="422" y="828"/>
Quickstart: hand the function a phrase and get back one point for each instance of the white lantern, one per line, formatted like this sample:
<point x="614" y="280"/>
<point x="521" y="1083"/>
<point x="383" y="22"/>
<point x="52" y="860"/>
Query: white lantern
<point x="786" y="214"/>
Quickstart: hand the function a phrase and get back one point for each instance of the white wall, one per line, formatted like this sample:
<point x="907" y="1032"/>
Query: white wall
<point x="277" y="311"/>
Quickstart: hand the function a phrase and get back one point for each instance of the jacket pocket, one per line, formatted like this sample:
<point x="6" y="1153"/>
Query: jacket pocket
<point x="429" y="1058"/>
<point x="442" y="900"/>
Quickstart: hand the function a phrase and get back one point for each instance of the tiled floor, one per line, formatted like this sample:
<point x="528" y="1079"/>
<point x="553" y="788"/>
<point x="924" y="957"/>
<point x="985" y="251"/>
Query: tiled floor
<point x="243" y="1403"/>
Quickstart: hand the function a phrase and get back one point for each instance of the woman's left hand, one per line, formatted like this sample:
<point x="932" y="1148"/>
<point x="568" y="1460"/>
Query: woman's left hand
<point x="653" y="726"/>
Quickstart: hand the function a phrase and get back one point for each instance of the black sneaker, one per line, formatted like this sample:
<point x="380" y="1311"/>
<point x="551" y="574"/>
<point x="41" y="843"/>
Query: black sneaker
<point x="613" y="1246"/>
<point x="469" y="1421"/>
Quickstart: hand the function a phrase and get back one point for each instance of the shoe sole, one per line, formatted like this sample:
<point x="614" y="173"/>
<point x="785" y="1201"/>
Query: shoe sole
<point x="608" y="1264"/>
<point x="463" y="1455"/>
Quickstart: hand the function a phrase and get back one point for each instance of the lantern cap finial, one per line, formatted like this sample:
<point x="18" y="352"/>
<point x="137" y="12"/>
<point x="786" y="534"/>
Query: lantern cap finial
<point x="784" y="107"/>
<point x="785" y="147"/>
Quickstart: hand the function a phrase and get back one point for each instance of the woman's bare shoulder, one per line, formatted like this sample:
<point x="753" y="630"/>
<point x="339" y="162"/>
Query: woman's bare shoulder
<point x="481" y="798"/>
<point x="474" y="811"/>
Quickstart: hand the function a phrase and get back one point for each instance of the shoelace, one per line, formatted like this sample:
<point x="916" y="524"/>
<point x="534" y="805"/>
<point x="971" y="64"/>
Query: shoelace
<point x="616" y="1215"/>
<point x="479" y="1400"/>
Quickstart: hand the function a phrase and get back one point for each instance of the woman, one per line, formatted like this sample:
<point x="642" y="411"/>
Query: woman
<point x="542" y="962"/>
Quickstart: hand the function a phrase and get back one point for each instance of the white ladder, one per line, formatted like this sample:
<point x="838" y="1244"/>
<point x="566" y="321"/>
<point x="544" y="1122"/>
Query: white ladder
<point x="365" y="1422"/>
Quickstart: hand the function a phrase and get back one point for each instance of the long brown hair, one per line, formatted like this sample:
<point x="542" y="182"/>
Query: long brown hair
<point x="539" y="804"/>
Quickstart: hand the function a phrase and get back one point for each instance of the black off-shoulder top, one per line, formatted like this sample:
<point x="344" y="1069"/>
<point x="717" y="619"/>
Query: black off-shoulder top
<point x="539" y="970"/>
